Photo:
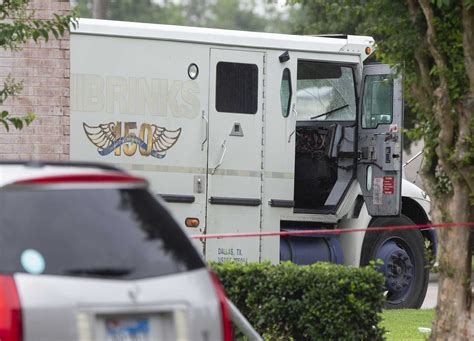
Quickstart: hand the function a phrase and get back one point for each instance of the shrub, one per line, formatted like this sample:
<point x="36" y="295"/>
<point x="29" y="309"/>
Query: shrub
<point x="319" y="301"/>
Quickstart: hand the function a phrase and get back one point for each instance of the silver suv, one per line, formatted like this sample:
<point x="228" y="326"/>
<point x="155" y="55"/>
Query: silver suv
<point x="87" y="253"/>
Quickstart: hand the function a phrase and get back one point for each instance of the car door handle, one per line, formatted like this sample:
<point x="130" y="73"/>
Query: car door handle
<point x="206" y="133"/>
<point x="294" y="113"/>
<point x="223" y="151"/>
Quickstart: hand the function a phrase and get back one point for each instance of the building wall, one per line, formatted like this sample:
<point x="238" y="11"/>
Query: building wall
<point x="44" y="70"/>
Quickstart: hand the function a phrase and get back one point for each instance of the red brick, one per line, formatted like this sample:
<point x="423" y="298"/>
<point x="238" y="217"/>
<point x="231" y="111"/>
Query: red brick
<point x="7" y="61"/>
<point x="47" y="149"/>
<point x="14" y="157"/>
<point x="42" y="4"/>
<point x="47" y="91"/>
<point x="47" y="130"/>
<point x="64" y="5"/>
<point x="64" y="44"/>
<point x="8" y="138"/>
<point x="24" y="148"/>
<point x="6" y="148"/>
<point x="51" y="140"/>
<point x="45" y="157"/>
<point x="5" y="71"/>
<point x="44" y="70"/>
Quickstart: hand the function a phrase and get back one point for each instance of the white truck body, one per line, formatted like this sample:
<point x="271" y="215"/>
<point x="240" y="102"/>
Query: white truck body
<point x="134" y="104"/>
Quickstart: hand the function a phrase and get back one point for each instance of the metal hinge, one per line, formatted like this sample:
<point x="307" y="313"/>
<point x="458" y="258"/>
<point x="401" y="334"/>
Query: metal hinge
<point x="264" y="64"/>
<point x="264" y="71"/>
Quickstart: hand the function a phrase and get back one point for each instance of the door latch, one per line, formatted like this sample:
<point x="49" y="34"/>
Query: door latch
<point x="199" y="183"/>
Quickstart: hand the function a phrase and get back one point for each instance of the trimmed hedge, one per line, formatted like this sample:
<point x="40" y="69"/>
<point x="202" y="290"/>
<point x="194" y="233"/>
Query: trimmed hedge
<point x="319" y="301"/>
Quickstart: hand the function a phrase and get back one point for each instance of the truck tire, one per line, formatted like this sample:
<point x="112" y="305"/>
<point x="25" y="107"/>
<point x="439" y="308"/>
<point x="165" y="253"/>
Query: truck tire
<point x="404" y="264"/>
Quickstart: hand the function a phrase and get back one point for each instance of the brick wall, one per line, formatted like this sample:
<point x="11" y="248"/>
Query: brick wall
<point x="44" y="70"/>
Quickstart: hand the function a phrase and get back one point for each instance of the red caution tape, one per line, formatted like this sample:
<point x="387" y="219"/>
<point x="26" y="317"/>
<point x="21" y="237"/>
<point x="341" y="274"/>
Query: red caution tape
<point x="328" y="231"/>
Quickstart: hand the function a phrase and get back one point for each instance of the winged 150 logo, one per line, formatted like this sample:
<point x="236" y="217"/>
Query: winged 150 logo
<point x="117" y="136"/>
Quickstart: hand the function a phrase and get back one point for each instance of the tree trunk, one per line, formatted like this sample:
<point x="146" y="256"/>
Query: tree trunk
<point x="454" y="313"/>
<point x="454" y="309"/>
<point x="98" y="9"/>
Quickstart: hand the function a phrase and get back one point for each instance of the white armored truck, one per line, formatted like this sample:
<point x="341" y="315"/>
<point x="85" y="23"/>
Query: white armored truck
<point x="256" y="132"/>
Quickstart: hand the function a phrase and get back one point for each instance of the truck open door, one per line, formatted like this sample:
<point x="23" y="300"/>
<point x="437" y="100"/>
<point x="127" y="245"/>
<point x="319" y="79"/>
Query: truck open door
<point x="380" y="140"/>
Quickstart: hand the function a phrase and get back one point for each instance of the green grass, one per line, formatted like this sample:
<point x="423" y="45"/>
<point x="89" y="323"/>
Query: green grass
<point x="403" y="324"/>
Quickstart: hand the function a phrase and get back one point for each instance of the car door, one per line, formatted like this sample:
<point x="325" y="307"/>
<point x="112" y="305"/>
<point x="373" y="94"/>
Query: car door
<point x="235" y="152"/>
<point x="380" y="140"/>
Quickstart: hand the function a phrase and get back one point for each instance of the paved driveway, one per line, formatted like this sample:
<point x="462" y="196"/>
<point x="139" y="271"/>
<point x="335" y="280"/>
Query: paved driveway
<point x="431" y="296"/>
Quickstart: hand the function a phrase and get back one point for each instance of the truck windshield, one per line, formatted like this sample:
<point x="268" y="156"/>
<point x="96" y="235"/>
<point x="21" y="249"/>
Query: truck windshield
<point x="325" y="92"/>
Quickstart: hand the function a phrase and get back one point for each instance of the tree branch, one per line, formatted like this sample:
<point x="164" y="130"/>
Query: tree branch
<point x="465" y="139"/>
<point x="423" y="95"/>
<point x="431" y="37"/>
<point x="468" y="44"/>
<point x="443" y="106"/>
<point x="422" y="60"/>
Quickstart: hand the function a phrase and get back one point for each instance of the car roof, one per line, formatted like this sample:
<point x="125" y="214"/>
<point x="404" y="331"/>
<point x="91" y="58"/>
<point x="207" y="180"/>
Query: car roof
<point x="15" y="172"/>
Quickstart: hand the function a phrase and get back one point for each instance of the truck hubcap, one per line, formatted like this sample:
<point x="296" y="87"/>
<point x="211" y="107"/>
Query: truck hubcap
<point x="397" y="268"/>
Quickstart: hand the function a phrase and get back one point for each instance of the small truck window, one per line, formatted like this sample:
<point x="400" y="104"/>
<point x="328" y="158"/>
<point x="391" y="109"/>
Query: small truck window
<point x="285" y="92"/>
<point x="237" y="88"/>
<point x="378" y="97"/>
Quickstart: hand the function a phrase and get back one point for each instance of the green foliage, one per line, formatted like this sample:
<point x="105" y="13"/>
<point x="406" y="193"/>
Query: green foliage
<point x="327" y="17"/>
<point x="17" y="26"/>
<point x="12" y="88"/>
<point x="227" y="14"/>
<point x="469" y="3"/>
<point x="136" y="10"/>
<point x="17" y="122"/>
<point x="443" y="183"/>
<point x="320" y="301"/>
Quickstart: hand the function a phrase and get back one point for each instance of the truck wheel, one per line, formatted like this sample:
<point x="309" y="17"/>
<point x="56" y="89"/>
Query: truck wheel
<point x="404" y="264"/>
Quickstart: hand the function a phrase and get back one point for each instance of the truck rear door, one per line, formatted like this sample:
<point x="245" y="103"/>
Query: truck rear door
<point x="380" y="140"/>
<point x="235" y="153"/>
